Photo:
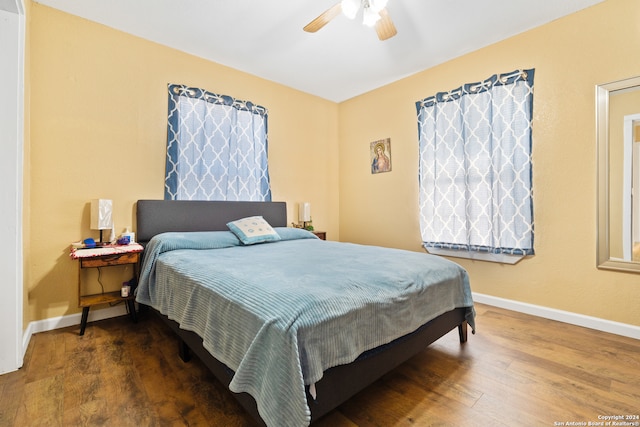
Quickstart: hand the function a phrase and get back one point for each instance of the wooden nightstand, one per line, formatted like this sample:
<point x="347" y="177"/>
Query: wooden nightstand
<point x="320" y="234"/>
<point x="107" y="260"/>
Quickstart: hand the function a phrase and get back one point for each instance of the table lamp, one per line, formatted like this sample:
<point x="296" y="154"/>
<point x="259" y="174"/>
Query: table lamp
<point x="304" y="213"/>
<point x="101" y="215"/>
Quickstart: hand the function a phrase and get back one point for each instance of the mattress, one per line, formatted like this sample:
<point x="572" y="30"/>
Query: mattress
<point x="281" y="313"/>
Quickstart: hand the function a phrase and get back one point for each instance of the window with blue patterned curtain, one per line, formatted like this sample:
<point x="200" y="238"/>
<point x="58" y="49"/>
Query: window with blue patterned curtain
<point x="216" y="147"/>
<point x="475" y="168"/>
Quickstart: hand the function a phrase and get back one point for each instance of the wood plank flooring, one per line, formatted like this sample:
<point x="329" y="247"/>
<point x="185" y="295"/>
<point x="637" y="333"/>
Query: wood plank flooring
<point x="518" y="370"/>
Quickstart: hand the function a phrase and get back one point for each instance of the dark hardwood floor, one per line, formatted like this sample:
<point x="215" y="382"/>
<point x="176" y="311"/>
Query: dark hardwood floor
<point x="518" y="370"/>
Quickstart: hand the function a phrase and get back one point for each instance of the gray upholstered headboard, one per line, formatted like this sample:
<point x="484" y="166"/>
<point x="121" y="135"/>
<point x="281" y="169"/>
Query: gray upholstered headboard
<point x="159" y="216"/>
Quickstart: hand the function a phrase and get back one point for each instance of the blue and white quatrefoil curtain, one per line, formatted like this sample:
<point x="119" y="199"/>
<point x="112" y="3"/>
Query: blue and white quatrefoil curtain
<point x="216" y="147"/>
<point x="475" y="166"/>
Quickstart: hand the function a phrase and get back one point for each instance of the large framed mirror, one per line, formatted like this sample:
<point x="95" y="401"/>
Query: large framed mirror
<point x="618" y="151"/>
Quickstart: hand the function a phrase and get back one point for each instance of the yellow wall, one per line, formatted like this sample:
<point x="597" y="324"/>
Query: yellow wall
<point x="571" y="56"/>
<point x="98" y="127"/>
<point x="98" y="114"/>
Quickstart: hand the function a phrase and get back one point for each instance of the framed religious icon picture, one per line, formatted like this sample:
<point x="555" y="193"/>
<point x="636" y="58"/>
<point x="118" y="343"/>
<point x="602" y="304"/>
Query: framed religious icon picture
<point x="380" y="152"/>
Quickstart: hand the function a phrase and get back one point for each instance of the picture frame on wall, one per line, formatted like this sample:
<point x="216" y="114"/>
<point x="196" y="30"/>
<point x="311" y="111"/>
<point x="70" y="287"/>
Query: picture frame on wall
<point x="380" y="152"/>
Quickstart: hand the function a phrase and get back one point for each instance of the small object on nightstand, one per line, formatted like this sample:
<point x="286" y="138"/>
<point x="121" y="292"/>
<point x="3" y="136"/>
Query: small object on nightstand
<point x="123" y="240"/>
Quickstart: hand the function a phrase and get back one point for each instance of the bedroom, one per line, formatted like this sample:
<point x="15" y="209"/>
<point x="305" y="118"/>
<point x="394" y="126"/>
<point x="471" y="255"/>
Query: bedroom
<point x="113" y="147"/>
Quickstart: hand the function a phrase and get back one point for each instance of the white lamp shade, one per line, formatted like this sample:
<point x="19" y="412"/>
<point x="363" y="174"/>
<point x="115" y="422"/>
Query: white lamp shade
<point x="350" y="8"/>
<point x="370" y="17"/>
<point x="101" y="214"/>
<point x="378" y="5"/>
<point x="304" y="212"/>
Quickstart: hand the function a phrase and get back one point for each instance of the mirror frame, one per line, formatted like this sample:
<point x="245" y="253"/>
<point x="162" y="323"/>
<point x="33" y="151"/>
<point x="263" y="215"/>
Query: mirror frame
<point x="603" y="255"/>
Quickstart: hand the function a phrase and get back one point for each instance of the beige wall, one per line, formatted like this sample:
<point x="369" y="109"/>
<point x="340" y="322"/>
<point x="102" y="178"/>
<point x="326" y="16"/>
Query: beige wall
<point x="98" y="129"/>
<point x="571" y="56"/>
<point x="98" y="112"/>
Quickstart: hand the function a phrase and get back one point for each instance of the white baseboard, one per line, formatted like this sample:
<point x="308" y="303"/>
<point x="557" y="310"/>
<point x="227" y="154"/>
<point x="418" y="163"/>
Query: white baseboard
<point x="69" y="320"/>
<point x="596" y="323"/>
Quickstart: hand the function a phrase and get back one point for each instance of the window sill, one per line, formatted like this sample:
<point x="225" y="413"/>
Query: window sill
<point x="477" y="256"/>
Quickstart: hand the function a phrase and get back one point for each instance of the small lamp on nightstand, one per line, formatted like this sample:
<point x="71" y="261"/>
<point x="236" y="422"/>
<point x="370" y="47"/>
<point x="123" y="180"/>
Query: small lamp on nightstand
<point x="304" y="215"/>
<point x="101" y="215"/>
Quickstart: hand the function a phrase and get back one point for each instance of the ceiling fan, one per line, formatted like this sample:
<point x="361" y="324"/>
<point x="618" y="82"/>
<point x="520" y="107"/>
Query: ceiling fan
<point x="374" y="13"/>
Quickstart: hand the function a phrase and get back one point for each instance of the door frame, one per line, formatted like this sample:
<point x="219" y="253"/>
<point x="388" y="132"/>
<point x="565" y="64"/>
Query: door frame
<point x="12" y="53"/>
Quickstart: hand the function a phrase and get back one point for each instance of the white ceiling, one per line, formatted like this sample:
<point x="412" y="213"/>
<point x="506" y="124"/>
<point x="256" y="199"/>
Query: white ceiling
<point x="9" y="6"/>
<point x="342" y="60"/>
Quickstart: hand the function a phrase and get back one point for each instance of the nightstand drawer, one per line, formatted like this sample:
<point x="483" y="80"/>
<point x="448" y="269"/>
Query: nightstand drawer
<point x="107" y="260"/>
<point x="320" y="234"/>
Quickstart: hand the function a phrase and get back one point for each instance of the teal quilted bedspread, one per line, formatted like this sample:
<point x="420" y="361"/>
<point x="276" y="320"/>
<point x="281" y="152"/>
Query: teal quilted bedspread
<point x="279" y="314"/>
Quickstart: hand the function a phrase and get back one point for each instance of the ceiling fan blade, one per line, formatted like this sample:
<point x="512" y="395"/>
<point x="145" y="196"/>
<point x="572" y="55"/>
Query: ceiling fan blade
<point x="384" y="27"/>
<point x="323" y="19"/>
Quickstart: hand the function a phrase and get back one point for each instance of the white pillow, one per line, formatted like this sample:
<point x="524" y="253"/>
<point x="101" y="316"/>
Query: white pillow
<point x="253" y="230"/>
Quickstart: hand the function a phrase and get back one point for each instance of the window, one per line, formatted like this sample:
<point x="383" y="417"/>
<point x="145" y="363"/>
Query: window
<point x="216" y="147"/>
<point x="475" y="169"/>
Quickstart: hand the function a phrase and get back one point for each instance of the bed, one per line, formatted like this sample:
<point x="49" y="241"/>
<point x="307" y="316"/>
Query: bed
<point x="296" y="325"/>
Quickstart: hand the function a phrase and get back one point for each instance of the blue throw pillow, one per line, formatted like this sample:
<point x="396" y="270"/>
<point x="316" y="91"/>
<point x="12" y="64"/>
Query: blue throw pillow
<point x="253" y="230"/>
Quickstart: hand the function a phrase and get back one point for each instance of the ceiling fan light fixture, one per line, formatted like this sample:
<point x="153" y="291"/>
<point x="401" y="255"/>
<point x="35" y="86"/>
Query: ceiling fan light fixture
<point x="369" y="16"/>
<point x="378" y="5"/>
<point x="350" y="8"/>
<point x="374" y="14"/>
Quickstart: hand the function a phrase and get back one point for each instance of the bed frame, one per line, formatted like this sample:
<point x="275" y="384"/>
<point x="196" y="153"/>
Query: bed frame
<point x="339" y="383"/>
